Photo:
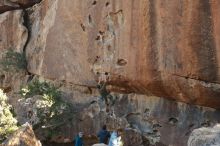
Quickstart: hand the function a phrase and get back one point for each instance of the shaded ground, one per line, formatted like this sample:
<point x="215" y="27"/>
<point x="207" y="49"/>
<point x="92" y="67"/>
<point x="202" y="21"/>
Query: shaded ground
<point x="87" y="142"/>
<point x="56" y="144"/>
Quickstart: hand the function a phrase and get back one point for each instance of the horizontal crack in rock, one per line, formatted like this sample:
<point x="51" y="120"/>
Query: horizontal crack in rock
<point x="200" y="80"/>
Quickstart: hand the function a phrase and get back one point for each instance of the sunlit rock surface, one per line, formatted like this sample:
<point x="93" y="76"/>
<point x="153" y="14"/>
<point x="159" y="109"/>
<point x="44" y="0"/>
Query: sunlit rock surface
<point x="13" y="33"/>
<point x="23" y="137"/>
<point x="164" y="48"/>
<point x="205" y="136"/>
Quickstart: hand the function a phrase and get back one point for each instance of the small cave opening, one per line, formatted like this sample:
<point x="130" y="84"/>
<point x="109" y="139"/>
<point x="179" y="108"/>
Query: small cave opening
<point x="97" y="58"/>
<point x="173" y="121"/>
<point x="191" y="125"/>
<point x="98" y="38"/>
<point x="2" y="77"/>
<point x="121" y="62"/>
<point x="7" y="89"/>
<point x="206" y="124"/>
<point x="157" y="125"/>
<point x="109" y="47"/>
<point x="146" y="110"/>
<point x="94" y="2"/>
<point x="188" y="132"/>
<point x="107" y="4"/>
<point x="155" y="131"/>
<point x="83" y="27"/>
<point x="101" y="32"/>
<point x="90" y="18"/>
<point x="93" y="102"/>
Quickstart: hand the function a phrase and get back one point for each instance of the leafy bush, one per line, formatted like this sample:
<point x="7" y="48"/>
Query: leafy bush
<point x="49" y="111"/>
<point x="8" y="124"/>
<point x="41" y="88"/>
<point x="13" y="61"/>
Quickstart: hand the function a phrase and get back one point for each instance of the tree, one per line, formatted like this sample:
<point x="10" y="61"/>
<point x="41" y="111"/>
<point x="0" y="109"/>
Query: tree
<point x="8" y="124"/>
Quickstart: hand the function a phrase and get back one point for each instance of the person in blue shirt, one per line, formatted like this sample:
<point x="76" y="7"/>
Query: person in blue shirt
<point x="78" y="140"/>
<point x="103" y="135"/>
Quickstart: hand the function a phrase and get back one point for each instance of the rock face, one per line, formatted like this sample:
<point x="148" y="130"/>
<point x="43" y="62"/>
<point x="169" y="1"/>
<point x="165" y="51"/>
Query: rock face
<point x="23" y="137"/>
<point x="205" y="136"/>
<point x="13" y="33"/>
<point x="146" y="119"/>
<point x="169" y="49"/>
<point x="141" y="115"/>
<point x="164" y="48"/>
<point x="41" y="18"/>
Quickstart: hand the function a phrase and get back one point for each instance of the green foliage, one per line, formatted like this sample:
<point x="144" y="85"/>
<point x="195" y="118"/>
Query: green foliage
<point x="13" y="61"/>
<point x="41" y="88"/>
<point x="8" y="124"/>
<point x="51" y="110"/>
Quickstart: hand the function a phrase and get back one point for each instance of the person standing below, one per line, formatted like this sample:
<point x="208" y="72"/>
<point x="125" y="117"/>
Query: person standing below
<point x="79" y="140"/>
<point x="103" y="135"/>
<point x="115" y="139"/>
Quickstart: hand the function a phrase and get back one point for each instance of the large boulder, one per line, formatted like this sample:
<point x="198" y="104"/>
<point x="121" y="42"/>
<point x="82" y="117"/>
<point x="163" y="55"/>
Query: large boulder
<point x="23" y="137"/>
<point x="132" y="137"/>
<point x="205" y="136"/>
<point x="165" y="48"/>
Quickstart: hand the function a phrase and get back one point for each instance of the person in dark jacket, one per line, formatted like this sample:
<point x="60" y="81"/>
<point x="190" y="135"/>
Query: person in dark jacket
<point x="105" y="94"/>
<point x="103" y="91"/>
<point x="78" y="140"/>
<point x="103" y="135"/>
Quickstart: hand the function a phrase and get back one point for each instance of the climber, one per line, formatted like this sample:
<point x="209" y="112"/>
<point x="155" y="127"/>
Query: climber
<point x="78" y="140"/>
<point x="103" y="91"/>
<point x="103" y="135"/>
<point x="105" y="94"/>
